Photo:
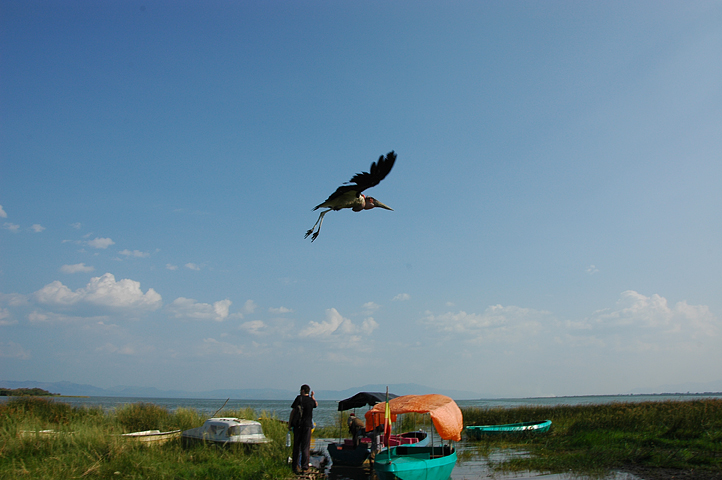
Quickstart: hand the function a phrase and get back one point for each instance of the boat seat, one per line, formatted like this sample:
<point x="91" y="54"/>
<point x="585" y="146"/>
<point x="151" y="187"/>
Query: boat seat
<point x="409" y="441"/>
<point x="348" y="442"/>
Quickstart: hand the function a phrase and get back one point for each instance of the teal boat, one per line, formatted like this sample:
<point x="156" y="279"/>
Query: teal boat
<point x="404" y="462"/>
<point x="479" y="431"/>
<point x="415" y="463"/>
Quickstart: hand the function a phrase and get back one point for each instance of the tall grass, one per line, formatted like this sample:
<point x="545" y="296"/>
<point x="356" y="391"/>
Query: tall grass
<point x="593" y="438"/>
<point x="86" y="443"/>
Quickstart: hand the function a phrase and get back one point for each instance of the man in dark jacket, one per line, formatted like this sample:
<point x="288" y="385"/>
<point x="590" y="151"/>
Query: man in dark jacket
<point x="357" y="429"/>
<point x="302" y="434"/>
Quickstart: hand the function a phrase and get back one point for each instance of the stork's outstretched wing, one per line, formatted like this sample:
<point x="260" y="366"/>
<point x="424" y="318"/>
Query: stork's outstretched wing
<point x="364" y="180"/>
<point x="378" y="172"/>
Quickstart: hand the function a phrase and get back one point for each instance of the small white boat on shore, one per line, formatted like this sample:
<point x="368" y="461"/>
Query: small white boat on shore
<point x="227" y="431"/>
<point x="152" y="437"/>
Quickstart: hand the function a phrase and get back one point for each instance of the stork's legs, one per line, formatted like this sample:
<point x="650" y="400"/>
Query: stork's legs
<point x="319" y="222"/>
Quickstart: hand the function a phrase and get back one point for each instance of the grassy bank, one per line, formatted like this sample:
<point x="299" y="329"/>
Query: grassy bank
<point x="86" y="443"/>
<point x="652" y="439"/>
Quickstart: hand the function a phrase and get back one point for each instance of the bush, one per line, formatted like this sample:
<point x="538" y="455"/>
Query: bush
<point x="137" y="417"/>
<point x="43" y="409"/>
<point x="187" y="418"/>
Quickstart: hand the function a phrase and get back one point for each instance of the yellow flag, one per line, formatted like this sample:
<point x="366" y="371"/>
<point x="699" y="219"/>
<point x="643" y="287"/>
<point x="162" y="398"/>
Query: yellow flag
<point x="387" y="420"/>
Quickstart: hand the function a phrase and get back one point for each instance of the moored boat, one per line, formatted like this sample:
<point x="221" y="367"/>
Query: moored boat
<point x="345" y="453"/>
<point x="433" y="462"/>
<point x="416" y="463"/>
<point x="227" y="431"/>
<point x="152" y="437"/>
<point x="479" y="431"/>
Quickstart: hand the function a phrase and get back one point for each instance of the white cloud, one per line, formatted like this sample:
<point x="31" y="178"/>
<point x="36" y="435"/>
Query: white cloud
<point x="255" y="327"/>
<point x="134" y="253"/>
<point x="2" y="213"/>
<point x="336" y="325"/>
<point x="56" y="293"/>
<point x="13" y="350"/>
<point x="124" y="293"/>
<point x="369" y="325"/>
<point x="591" y="269"/>
<point x="636" y="324"/>
<point x="38" y="317"/>
<point x="101" y="243"/>
<point x="280" y="310"/>
<point x="371" y="306"/>
<point x="170" y="266"/>
<point x="14" y="299"/>
<point x="636" y="311"/>
<point x="330" y="326"/>
<point x="102" y="291"/>
<point x="250" y="306"/>
<point x="648" y="326"/>
<point x="5" y="318"/>
<point x="189" y="308"/>
<point x="497" y="323"/>
<point x="37" y="228"/>
<point x="277" y="328"/>
<point x="402" y="297"/>
<point x="192" y="266"/>
<point x="77" y="268"/>
<point x="12" y="227"/>
<point x="76" y="225"/>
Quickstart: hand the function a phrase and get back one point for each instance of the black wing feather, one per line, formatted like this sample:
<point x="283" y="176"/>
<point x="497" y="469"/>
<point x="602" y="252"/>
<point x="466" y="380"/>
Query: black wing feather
<point x="362" y="181"/>
<point x="378" y="172"/>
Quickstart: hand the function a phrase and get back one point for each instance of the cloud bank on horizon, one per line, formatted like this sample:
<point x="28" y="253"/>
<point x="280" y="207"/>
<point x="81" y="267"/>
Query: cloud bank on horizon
<point x="111" y="314"/>
<point x="555" y="196"/>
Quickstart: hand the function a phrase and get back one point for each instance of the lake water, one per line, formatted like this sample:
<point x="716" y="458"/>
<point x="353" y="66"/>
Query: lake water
<point x="326" y="412"/>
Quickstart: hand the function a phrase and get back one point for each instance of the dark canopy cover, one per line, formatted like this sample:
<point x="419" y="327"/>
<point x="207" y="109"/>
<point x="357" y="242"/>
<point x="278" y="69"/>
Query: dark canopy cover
<point x="363" y="398"/>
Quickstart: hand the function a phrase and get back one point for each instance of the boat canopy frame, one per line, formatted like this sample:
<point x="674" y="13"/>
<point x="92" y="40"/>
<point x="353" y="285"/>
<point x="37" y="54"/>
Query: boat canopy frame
<point x="363" y="399"/>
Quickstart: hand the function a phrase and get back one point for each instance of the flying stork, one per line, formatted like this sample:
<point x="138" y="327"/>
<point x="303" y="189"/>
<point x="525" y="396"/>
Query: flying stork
<point x="350" y="196"/>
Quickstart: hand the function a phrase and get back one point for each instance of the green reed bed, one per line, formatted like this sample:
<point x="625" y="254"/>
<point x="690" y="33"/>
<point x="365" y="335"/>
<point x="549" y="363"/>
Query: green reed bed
<point x="639" y="437"/>
<point x="86" y="443"/>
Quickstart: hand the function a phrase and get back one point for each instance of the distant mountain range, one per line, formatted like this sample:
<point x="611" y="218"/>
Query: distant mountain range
<point x="75" y="389"/>
<point x="690" y="387"/>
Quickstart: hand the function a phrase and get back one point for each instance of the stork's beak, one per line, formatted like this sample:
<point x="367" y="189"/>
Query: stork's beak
<point x="381" y="205"/>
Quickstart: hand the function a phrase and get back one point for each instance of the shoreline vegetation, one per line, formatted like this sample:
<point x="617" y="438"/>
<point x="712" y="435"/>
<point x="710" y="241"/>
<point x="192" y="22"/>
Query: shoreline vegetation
<point x="653" y="440"/>
<point x="26" y="392"/>
<point x="41" y="437"/>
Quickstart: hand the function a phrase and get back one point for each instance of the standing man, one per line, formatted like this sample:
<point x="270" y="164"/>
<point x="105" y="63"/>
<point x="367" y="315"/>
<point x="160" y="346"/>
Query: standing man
<point x="357" y="428"/>
<point x="302" y="434"/>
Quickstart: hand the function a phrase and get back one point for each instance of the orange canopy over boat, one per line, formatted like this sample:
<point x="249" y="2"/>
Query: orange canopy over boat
<point x="444" y="413"/>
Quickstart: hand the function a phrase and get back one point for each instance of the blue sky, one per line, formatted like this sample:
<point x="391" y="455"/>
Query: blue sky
<point x="556" y="224"/>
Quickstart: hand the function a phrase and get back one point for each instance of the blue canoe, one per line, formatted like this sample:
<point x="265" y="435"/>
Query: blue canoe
<point x="415" y="463"/>
<point x="479" y="431"/>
